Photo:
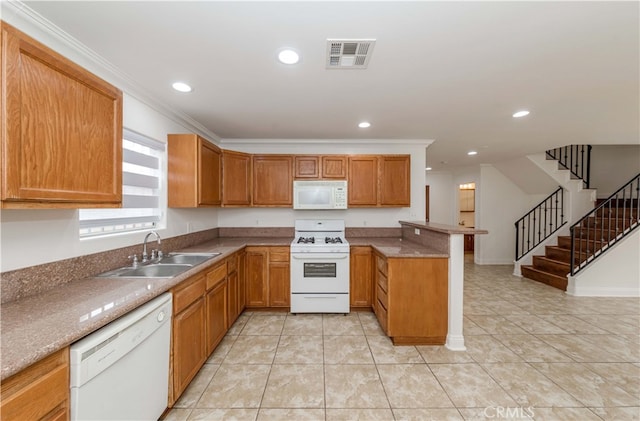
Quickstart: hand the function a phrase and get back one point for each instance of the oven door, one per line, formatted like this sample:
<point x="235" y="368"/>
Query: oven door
<point x="319" y="272"/>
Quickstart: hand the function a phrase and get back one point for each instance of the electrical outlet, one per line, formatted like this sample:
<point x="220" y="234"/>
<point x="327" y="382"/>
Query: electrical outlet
<point x="416" y="231"/>
<point x="189" y="227"/>
<point x="364" y="223"/>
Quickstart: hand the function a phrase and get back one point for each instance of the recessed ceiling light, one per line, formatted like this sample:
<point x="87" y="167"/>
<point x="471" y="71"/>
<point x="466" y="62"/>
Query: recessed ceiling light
<point x="520" y="113"/>
<point x="472" y="153"/>
<point x="181" y="87"/>
<point x="428" y="168"/>
<point x="364" y="124"/>
<point x="288" y="56"/>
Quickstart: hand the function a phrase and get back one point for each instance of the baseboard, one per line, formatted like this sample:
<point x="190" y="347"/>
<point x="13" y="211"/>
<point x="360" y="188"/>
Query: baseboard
<point x="494" y="262"/>
<point x="602" y="291"/>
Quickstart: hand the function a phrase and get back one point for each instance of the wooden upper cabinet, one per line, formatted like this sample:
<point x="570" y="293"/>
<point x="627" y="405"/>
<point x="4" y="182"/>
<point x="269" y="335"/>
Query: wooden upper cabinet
<point x="273" y="180"/>
<point x="307" y="166"/>
<point x="334" y="166"/>
<point x="236" y="178"/>
<point x="363" y="180"/>
<point x="62" y="130"/>
<point x="395" y="180"/>
<point x="320" y="167"/>
<point x="194" y="172"/>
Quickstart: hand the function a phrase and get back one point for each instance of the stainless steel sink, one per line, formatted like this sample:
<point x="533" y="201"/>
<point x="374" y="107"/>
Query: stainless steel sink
<point x="187" y="258"/>
<point x="168" y="267"/>
<point x="155" y="271"/>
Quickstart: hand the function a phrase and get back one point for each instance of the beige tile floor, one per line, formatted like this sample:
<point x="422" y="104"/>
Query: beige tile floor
<point x="533" y="353"/>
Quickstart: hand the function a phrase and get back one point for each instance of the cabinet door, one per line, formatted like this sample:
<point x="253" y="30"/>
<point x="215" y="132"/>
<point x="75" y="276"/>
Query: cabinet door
<point x="236" y="179"/>
<point x="62" y="130"/>
<point x="418" y="299"/>
<point x="209" y="175"/>
<point x="361" y="282"/>
<point x="279" y="285"/>
<point x="395" y="180"/>
<point x="38" y="392"/>
<point x="256" y="277"/>
<point x="232" y="293"/>
<point x="363" y="180"/>
<point x="273" y="180"/>
<point x="216" y="306"/>
<point x="307" y="167"/>
<point x="188" y="345"/>
<point x="334" y="166"/>
<point x="467" y="200"/>
<point x="242" y="270"/>
<point x="193" y="172"/>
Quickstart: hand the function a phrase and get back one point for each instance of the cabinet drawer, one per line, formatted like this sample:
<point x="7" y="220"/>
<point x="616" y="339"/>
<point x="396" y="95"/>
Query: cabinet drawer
<point x="188" y="292"/>
<point x="39" y="390"/>
<point x="381" y="263"/>
<point x="216" y="275"/>
<point x="382" y="297"/>
<point x="279" y="254"/>
<point x="381" y="314"/>
<point x="232" y="264"/>
<point x="383" y="282"/>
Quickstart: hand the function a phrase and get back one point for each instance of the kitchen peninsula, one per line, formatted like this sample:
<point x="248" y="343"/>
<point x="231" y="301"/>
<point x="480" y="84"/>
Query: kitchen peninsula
<point x="449" y="239"/>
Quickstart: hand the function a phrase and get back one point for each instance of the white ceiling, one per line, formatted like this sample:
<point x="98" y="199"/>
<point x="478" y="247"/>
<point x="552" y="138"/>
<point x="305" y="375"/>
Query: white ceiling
<point x="449" y="71"/>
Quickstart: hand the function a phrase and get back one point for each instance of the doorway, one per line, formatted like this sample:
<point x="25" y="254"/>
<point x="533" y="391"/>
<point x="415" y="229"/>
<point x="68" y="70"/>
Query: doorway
<point x="466" y="212"/>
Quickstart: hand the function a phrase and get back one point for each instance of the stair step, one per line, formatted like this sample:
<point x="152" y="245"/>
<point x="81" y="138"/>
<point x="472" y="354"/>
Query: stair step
<point x="562" y="254"/>
<point x="558" y="254"/>
<point x="618" y="212"/>
<point x="585" y="245"/>
<point x="606" y="222"/>
<point x="598" y="234"/>
<point x="554" y="267"/>
<point x="550" y="279"/>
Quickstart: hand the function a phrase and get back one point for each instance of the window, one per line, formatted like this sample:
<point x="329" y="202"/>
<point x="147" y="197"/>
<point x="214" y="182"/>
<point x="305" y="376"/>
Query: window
<point x="142" y="184"/>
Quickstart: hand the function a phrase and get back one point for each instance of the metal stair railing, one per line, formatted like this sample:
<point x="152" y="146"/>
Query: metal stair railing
<point x="576" y="159"/>
<point x="594" y="234"/>
<point x="540" y="223"/>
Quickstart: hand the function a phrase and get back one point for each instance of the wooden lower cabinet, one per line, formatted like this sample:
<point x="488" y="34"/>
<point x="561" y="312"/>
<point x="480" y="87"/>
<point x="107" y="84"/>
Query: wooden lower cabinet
<point x="242" y="277"/>
<point x="360" y="279"/>
<point x="256" y="281"/>
<point x="39" y="392"/>
<point x="267" y="277"/>
<point x="188" y="338"/>
<point x="232" y="293"/>
<point x="411" y="299"/>
<point x="279" y="288"/>
<point x="279" y="277"/>
<point x="216" y="303"/>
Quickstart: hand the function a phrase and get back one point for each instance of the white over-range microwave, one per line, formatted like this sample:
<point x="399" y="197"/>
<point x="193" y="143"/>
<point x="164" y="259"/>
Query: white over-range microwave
<point x="323" y="194"/>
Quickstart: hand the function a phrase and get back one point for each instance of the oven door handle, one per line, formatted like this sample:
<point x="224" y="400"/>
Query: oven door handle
<point x="326" y="256"/>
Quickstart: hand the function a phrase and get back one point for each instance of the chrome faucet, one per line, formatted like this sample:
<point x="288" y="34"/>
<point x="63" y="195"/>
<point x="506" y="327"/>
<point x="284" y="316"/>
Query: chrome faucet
<point x="145" y="256"/>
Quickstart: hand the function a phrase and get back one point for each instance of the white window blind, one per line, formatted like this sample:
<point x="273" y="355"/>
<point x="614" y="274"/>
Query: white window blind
<point x="142" y="184"/>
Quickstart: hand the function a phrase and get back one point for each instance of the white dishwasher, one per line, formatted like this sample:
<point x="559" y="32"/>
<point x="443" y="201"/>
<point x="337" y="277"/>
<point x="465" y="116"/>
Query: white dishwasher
<point x="121" y="371"/>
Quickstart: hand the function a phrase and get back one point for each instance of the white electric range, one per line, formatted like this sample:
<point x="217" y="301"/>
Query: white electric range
<point x="319" y="267"/>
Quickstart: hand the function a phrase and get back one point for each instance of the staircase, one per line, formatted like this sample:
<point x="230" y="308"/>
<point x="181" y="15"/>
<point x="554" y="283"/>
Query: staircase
<point x="552" y="268"/>
<point x="610" y="221"/>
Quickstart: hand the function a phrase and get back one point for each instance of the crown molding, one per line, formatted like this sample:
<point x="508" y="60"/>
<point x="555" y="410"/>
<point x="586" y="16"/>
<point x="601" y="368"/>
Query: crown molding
<point x="21" y="16"/>
<point x="373" y="142"/>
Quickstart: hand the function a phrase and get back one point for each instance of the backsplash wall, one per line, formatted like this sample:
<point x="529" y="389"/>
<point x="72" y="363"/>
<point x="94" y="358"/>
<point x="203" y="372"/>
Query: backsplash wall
<point x="34" y="280"/>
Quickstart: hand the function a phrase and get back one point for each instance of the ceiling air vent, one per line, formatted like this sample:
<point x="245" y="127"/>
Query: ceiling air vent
<point x="349" y="53"/>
